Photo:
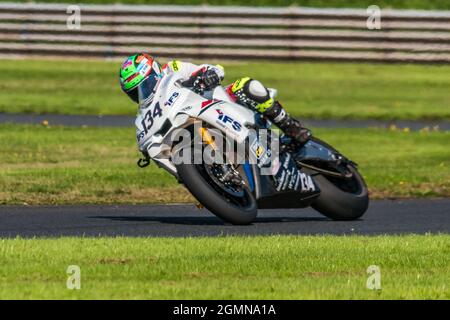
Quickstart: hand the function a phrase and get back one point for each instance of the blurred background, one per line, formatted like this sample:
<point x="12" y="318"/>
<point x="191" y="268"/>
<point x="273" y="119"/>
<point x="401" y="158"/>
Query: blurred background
<point x="370" y="77"/>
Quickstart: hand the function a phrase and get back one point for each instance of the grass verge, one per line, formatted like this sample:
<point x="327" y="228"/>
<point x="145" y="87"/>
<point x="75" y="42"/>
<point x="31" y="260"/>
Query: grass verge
<point x="275" y="267"/>
<point x="60" y="165"/>
<point x="308" y="90"/>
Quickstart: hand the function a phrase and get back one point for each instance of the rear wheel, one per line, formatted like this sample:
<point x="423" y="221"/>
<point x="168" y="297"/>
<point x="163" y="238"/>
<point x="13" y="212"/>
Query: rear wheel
<point x="342" y="199"/>
<point x="344" y="194"/>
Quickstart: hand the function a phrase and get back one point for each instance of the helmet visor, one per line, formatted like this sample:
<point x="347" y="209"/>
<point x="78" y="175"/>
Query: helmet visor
<point x="147" y="87"/>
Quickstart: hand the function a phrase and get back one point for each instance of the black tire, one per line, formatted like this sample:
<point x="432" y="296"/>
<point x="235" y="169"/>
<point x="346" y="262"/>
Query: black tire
<point x="338" y="204"/>
<point x="213" y="200"/>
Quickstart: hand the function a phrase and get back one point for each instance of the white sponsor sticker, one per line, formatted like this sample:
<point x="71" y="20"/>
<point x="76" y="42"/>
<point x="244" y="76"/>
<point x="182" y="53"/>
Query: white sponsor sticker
<point x="143" y="67"/>
<point x="144" y="70"/>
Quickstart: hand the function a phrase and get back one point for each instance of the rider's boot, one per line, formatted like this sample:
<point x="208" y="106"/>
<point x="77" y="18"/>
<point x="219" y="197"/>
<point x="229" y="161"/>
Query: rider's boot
<point x="290" y="126"/>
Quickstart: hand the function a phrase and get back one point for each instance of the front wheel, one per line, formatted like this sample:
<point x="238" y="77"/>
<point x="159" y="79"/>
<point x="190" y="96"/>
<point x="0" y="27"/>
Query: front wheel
<point x="239" y="208"/>
<point x="342" y="199"/>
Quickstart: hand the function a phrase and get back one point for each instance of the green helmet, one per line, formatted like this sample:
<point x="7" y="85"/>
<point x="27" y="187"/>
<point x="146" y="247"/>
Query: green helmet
<point x="137" y="70"/>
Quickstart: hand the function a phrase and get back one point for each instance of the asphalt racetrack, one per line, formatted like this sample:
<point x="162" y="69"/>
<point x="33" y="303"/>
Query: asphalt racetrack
<point x="128" y="121"/>
<point x="383" y="217"/>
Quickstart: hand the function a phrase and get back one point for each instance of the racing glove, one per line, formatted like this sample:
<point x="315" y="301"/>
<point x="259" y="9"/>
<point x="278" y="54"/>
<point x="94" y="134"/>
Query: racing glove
<point x="203" y="79"/>
<point x="210" y="79"/>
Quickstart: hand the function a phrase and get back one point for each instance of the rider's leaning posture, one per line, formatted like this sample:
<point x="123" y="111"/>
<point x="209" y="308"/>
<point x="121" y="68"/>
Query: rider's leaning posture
<point x="140" y="76"/>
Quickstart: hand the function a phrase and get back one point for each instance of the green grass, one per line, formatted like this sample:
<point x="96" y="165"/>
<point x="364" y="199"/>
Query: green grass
<point x="308" y="90"/>
<point x="57" y="165"/>
<point x="275" y="267"/>
<point x="398" y="4"/>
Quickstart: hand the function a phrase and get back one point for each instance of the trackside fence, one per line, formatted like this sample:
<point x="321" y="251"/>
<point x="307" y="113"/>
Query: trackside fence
<point x="292" y="33"/>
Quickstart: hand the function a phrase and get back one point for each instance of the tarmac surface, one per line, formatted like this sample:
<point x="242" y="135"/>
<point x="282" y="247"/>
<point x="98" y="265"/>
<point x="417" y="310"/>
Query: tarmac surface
<point x="128" y="121"/>
<point x="383" y="217"/>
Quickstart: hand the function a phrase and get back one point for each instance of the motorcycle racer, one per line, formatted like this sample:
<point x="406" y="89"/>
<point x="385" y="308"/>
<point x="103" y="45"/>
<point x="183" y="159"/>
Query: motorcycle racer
<point x="140" y="76"/>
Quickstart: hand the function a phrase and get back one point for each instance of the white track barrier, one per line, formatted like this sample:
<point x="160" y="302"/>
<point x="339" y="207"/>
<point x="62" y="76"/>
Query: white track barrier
<point x="292" y="33"/>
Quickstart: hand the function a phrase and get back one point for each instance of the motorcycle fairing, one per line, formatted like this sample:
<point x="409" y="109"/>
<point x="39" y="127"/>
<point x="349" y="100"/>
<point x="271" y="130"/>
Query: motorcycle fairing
<point x="287" y="187"/>
<point x="180" y="107"/>
<point x="314" y="151"/>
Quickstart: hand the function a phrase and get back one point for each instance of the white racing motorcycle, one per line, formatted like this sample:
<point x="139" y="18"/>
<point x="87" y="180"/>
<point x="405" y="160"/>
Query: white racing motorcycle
<point x="234" y="189"/>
